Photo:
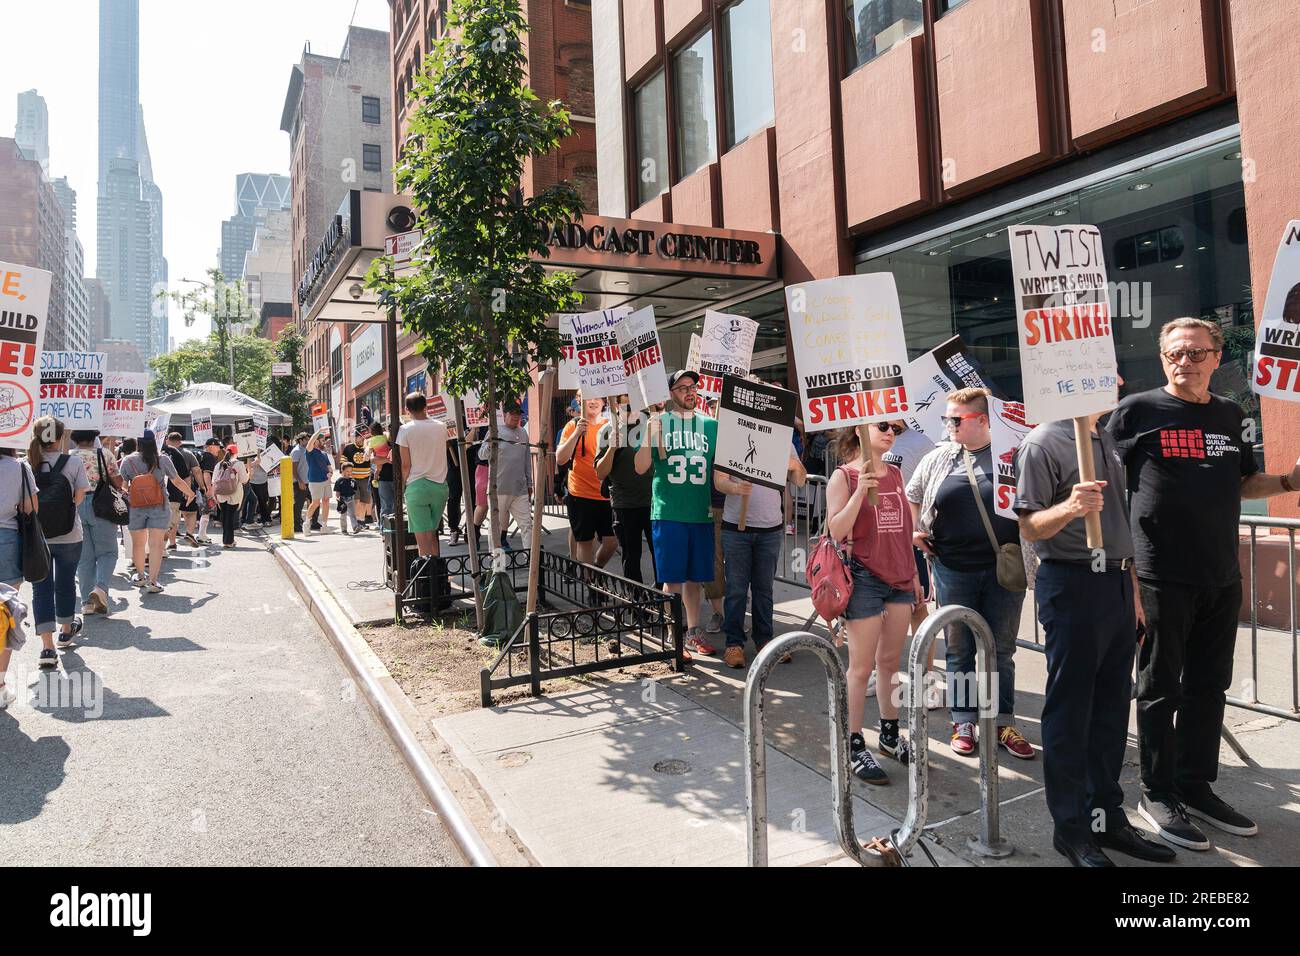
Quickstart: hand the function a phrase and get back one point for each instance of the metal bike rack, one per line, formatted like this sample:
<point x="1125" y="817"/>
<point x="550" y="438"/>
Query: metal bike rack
<point x="756" y="751"/>
<point x="989" y="843"/>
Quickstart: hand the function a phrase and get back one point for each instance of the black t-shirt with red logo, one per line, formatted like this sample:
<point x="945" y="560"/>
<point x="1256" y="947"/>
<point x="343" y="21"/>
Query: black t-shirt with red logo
<point x="1185" y="463"/>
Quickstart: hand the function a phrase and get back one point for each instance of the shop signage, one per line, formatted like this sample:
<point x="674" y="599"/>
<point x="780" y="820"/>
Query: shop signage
<point x="367" y="354"/>
<point x="601" y="242"/>
<point x="335" y="236"/>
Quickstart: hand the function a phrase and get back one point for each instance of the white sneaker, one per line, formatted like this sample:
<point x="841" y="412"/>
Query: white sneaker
<point x="7" y="696"/>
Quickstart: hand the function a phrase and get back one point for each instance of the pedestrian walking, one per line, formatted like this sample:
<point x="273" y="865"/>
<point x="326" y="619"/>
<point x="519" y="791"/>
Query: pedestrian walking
<point x="354" y="462"/>
<point x="301" y="496"/>
<point x="228" y="482"/>
<point x="208" y="459"/>
<point x="951" y="500"/>
<point x="345" y="503"/>
<point x="257" y="505"/>
<point x="181" y="506"/>
<point x="590" y="516"/>
<point x="751" y="556"/>
<point x="146" y="474"/>
<point x="629" y="491"/>
<point x="1189" y="464"/>
<point x="61" y="485"/>
<point x="17" y="493"/>
<point x="678" y="447"/>
<point x="885" y="585"/>
<point x="99" y="542"/>
<point x="319" y="470"/>
<point x="1087" y="604"/>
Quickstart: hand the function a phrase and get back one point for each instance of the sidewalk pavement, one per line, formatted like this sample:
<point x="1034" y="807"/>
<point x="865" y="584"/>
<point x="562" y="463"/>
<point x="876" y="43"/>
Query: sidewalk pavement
<point x="652" y="773"/>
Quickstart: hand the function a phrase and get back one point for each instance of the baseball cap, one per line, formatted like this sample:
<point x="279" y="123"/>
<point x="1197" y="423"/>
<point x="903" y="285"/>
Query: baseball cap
<point x="212" y="441"/>
<point x="232" y="449"/>
<point x="682" y="373"/>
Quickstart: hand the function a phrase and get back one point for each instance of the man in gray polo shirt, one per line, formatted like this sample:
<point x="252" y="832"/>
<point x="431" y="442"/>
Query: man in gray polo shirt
<point x="298" y="455"/>
<point x="1089" y="612"/>
<point x="512" y="474"/>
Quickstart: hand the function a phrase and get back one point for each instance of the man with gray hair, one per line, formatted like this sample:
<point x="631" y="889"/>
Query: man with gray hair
<point x="1189" y="462"/>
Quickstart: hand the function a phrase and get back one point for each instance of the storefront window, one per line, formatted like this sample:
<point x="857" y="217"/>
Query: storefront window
<point x="373" y="400"/>
<point x="1175" y="239"/>
<point x="651" y="139"/>
<point x="747" y="68"/>
<point x="696" y="112"/>
<point x="877" y="26"/>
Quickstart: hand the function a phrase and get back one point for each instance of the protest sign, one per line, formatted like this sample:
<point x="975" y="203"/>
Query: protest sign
<point x="201" y="425"/>
<point x="726" y="348"/>
<point x="850" y="353"/>
<point x="945" y="368"/>
<point x="320" y="417"/>
<point x="755" y="428"/>
<point x="1008" y="428"/>
<point x="245" y="438"/>
<point x="1277" y="346"/>
<point x="125" y="413"/>
<point x="270" y="458"/>
<point x="693" y="355"/>
<point x="1067" y="349"/>
<point x="643" y="359"/>
<point x="568" y="359"/>
<point x="475" y="410"/>
<point x="72" y="388"/>
<point x="261" y="428"/>
<point x="158" y="427"/>
<point x="442" y="408"/>
<point x="24" y="306"/>
<point x="595" y="346"/>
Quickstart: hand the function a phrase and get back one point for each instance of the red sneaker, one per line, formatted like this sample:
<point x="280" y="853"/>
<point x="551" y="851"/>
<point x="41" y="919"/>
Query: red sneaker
<point x="1014" y="743"/>
<point x="963" y="739"/>
<point x="695" y="641"/>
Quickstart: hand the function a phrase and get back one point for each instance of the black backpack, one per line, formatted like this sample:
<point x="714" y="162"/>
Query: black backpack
<point x="57" y="513"/>
<point x="178" y="462"/>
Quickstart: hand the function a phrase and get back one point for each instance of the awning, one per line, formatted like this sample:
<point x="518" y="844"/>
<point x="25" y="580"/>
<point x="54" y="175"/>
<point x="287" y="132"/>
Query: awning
<point x="227" y="404"/>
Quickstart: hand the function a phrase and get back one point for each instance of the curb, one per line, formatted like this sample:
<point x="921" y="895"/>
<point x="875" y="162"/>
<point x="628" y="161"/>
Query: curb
<point x="371" y="675"/>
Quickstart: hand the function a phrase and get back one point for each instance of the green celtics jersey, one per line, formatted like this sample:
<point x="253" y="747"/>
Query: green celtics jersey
<point x="683" y="483"/>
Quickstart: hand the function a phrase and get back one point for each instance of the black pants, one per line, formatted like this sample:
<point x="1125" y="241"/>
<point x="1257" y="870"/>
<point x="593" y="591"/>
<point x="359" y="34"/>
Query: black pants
<point x="1184" y="668"/>
<point x="259" y="503"/>
<point x="229" y="517"/>
<point x="631" y="527"/>
<point x="300" y="498"/>
<point x="453" y="497"/>
<point x="1091" y="637"/>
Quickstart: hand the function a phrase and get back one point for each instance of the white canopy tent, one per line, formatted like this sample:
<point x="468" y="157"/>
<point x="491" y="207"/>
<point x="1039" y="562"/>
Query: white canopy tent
<point x="226" y="404"/>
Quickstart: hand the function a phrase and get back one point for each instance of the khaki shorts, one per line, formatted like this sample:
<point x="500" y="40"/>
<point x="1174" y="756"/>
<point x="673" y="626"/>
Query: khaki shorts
<point x="174" y="512"/>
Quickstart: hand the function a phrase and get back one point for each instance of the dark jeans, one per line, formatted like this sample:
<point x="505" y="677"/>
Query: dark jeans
<point x="1184" y="668"/>
<point x="256" y="502"/>
<point x="751" y="558"/>
<point x="54" y="600"/>
<point x="300" y="498"/>
<point x="1090" y="638"/>
<point x="979" y="591"/>
<point x="229" y="516"/>
<point x="453" y="497"/>
<point x="633" y="527"/>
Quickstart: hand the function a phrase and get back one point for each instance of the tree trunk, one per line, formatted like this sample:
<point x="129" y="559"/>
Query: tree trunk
<point x="490" y="403"/>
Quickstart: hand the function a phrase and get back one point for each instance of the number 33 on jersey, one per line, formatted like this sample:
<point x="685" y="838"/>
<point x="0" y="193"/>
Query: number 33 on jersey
<point x="683" y="477"/>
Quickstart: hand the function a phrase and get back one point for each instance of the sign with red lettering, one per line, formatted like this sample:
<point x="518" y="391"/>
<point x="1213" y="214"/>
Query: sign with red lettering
<point x="72" y="388"/>
<point x="849" y="350"/>
<point x="24" y="304"/>
<point x="595" y="347"/>
<point x="726" y="348"/>
<point x="568" y="358"/>
<point x="643" y="359"/>
<point x="945" y="368"/>
<point x="1277" y="349"/>
<point x="125" y="412"/>
<point x="320" y="417"/>
<point x="1007" y="428"/>
<point x="1067" y="349"/>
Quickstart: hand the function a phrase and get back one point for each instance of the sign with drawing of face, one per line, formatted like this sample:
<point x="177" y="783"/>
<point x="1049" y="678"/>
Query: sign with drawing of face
<point x="726" y="348"/>
<point x="24" y="306"/>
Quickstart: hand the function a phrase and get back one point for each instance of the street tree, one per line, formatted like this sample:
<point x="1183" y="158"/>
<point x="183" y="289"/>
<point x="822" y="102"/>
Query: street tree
<point x="286" y="392"/>
<point x="479" y="297"/>
<point x="208" y="360"/>
<point x="225" y="303"/>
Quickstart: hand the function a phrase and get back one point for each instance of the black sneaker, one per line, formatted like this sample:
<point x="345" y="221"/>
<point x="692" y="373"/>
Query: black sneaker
<point x="1169" y="819"/>
<point x="65" y="640"/>
<point x="864" y="765"/>
<point x="49" y="658"/>
<point x="1217" y="813"/>
<point x="895" y="745"/>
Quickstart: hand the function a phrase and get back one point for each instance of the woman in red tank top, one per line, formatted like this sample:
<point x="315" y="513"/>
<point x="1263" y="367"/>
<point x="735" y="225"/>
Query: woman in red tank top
<point x="885" y="585"/>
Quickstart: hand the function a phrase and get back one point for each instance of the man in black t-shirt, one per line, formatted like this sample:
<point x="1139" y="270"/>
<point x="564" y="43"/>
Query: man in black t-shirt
<point x="187" y="467"/>
<point x="1189" y="465"/>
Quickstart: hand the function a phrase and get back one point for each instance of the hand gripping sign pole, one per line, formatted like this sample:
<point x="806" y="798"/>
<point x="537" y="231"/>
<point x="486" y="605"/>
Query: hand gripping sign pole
<point x="1067" y="351"/>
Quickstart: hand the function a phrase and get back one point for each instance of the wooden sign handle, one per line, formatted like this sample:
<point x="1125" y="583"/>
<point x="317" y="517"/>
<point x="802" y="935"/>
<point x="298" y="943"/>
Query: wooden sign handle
<point x="744" y="510"/>
<point x="1087" y="472"/>
<point x="868" y="455"/>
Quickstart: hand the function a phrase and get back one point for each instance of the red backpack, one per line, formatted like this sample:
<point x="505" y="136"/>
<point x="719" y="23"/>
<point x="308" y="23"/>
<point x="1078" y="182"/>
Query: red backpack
<point x="829" y="578"/>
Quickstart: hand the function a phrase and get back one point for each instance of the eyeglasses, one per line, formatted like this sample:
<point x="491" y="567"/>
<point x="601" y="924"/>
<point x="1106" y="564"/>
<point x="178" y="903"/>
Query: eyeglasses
<point x="954" y="421"/>
<point x="1196" y="355"/>
<point x="883" y="427"/>
<point x="686" y="388"/>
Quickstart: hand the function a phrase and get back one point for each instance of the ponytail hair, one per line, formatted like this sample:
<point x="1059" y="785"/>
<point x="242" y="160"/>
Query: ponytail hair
<point x="47" y="431"/>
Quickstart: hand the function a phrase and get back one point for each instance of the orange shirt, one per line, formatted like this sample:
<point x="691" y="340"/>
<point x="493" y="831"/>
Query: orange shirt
<point x="583" y="482"/>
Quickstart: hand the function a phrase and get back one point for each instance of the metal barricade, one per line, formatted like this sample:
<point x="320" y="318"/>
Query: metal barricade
<point x="808" y="513"/>
<point x="756" y="749"/>
<point x="989" y="843"/>
<point x="1290" y="525"/>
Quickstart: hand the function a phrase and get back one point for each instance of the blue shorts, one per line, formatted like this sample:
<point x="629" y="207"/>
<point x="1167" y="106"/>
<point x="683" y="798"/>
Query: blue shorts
<point x="159" y="517"/>
<point x="870" y="595"/>
<point x="683" y="551"/>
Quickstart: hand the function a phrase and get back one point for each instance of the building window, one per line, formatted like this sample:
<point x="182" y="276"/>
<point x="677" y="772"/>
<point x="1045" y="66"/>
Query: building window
<point x="370" y="109"/>
<point x="694" y="108"/>
<point x="651" y="139"/>
<point x="370" y="158"/>
<point x="877" y="26"/>
<point x="946" y="5"/>
<point x="747" y="69"/>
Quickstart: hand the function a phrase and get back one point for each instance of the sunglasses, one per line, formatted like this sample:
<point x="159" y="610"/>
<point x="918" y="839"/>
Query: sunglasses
<point x="883" y="427"/>
<point x="954" y="421"/>
<point x="1196" y="355"/>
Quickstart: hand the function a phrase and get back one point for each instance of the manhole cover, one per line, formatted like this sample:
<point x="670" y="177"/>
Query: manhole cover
<point x="516" y="758"/>
<point x="673" y="768"/>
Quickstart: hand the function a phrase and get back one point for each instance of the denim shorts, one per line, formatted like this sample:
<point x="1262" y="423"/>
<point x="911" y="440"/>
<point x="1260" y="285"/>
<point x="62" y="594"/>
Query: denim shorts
<point x="159" y="517"/>
<point x="11" y="557"/>
<point x="870" y="594"/>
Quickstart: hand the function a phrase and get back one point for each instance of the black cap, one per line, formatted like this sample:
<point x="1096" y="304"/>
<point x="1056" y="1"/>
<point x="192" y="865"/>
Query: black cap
<point x="678" y="375"/>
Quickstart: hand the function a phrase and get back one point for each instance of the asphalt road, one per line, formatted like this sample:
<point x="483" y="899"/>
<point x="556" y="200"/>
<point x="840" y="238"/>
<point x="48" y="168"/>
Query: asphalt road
<point x="209" y="724"/>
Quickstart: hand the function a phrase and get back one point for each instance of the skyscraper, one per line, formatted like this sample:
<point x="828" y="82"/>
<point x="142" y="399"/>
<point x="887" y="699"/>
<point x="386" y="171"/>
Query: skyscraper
<point x="33" y="128"/>
<point x="256" y="194"/>
<point x="129" y="234"/>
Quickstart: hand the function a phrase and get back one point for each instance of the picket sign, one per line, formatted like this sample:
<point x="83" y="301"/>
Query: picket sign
<point x="1067" y="349"/>
<point x="1277" y="348"/>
